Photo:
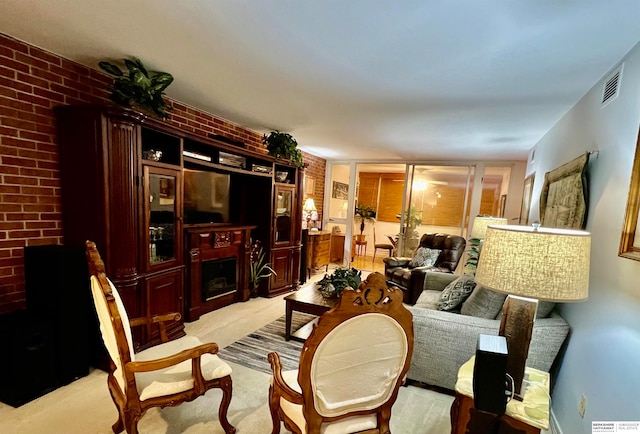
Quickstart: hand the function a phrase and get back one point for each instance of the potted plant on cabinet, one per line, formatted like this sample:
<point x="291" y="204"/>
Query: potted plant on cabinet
<point x="138" y="88"/>
<point x="283" y="145"/>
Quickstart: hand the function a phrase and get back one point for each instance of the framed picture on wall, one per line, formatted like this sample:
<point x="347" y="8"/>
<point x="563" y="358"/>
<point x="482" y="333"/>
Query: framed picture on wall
<point x="526" y="199"/>
<point x="309" y="185"/>
<point x="630" y="240"/>
<point x="340" y="190"/>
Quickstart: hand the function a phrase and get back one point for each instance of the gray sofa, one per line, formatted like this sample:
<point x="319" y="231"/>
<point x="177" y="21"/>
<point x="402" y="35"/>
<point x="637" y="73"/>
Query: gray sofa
<point x="444" y="340"/>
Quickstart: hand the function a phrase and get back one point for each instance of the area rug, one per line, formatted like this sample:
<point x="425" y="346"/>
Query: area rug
<point x="251" y="351"/>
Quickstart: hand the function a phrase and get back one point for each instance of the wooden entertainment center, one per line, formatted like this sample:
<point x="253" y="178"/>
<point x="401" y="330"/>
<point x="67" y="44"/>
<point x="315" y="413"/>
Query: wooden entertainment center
<point x="174" y="215"/>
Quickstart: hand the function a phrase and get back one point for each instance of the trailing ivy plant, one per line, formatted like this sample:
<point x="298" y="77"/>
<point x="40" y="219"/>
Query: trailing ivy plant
<point x="138" y="87"/>
<point x="283" y="145"/>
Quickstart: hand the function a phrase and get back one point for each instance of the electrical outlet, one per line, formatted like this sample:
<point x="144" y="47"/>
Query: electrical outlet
<point x="582" y="405"/>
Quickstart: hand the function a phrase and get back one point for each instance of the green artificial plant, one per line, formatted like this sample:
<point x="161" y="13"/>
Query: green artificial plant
<point x="365" y="213"/>
<point x="283" y="145"/>
<point x="258" y="267"/>
<point x="138" y="87"/>
<point x="332" y="285"/>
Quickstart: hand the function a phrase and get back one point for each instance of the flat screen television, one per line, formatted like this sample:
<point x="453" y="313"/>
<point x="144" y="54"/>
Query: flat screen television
<point x="206" y="197"/>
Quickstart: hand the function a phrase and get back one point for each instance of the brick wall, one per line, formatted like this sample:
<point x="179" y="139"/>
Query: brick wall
<point x="32" y="83"/>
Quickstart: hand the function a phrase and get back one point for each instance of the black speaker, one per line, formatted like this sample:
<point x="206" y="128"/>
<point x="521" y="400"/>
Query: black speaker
<point x="490" y="374"/>
<point x="28" y="355"/>
<point x="58" y="290"/>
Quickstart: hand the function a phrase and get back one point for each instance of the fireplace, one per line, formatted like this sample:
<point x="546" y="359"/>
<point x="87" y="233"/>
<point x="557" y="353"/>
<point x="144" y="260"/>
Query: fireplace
<point x="218" y="278"/>
<point x="218" y="269"/>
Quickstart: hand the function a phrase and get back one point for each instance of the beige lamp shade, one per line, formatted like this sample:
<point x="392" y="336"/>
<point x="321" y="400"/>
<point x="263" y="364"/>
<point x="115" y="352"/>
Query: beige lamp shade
<point x="309" y="205"/>
<point x="480" y="225"/>
<point x="543" y="263"/>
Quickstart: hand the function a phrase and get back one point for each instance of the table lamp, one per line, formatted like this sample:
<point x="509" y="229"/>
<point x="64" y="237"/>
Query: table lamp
<point x="531" y="264"/>
<point x="478" y="231"/>
<point x="480" y="224"/>
<point x="309" y="208"/>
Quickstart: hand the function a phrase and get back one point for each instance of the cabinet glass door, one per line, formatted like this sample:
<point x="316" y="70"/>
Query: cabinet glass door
<point x="162" y="216"/>
<point x="283" y="215"/>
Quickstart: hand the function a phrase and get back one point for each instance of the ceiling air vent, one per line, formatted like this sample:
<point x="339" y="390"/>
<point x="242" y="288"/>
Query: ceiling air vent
<point x="612" y="86"/>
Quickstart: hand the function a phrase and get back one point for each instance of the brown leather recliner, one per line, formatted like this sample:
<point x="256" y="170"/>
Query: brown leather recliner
<point x="411" y="280"/>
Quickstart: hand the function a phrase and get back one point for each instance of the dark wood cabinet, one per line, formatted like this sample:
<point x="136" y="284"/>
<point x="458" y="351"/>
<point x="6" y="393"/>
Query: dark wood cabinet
<point x="123" y="181"/>
<point x="319" y="250"/>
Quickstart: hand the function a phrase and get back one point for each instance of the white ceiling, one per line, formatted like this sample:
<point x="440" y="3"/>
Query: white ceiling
<point x="357" y="79"/>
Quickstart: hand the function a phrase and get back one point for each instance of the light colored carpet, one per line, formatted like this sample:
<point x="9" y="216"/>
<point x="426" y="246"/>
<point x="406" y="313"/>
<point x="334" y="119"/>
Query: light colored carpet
<point x="84" y="407"/>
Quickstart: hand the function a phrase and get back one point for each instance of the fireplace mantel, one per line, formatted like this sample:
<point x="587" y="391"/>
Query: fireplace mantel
<point x="210" y="243"/>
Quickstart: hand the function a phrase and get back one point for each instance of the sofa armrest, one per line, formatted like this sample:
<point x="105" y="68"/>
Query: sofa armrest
<point x="393" y="261"/>
<point x="437" y="280"/>
<point x="443" y="341"/>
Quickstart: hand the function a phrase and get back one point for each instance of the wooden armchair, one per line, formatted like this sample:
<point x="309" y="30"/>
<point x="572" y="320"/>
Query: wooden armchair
<point x="165" y="375"/>
<point x="351" y="366"/>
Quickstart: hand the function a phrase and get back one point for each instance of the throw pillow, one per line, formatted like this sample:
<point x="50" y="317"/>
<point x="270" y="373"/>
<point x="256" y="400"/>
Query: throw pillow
<point x="424" y="257"/>
<point x="483" y="303"/>
<point x="456" y="292"/>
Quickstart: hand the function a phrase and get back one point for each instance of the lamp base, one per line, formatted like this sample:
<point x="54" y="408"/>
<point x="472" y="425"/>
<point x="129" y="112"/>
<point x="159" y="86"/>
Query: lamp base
<point x="516" y="325"/>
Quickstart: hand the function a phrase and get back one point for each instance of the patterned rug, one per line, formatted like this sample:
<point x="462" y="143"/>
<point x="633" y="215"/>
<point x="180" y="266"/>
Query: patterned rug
<point x="251" y="351"/>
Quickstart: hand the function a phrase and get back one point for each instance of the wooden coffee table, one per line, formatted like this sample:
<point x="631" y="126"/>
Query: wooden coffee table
<point x="307" y="300"/>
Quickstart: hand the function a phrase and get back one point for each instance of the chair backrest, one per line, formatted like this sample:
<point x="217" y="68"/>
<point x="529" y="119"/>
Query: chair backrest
<point x="451" y="246"/>
<point x="114" y="322"/>
<point x="358" y="354"/>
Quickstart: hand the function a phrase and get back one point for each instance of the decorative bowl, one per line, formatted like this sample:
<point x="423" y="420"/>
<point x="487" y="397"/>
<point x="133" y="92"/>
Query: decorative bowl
<point x="281" y="176"/>
<point x="152" y="155"/>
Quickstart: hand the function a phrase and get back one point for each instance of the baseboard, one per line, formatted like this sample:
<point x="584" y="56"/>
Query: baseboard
<point x="554" y="428"/>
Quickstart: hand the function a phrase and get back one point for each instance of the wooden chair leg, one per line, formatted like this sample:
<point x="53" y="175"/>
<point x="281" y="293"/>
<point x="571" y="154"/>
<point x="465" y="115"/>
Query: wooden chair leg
<point x="274" y="404"/>
<point x="227" y="387"/>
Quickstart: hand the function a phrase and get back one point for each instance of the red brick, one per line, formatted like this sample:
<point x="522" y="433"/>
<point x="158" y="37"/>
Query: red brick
<point x="46" y="93"/>
<point x="65" y="73"/>
<point x="51" y="77"/>
<point x="40" y="137"/>
<point x="43" y="241"/>
<point x="10" y="262"/>
<point x="40" y="208"/>
<point x="16" y="161"/>
<point x="20" y="180"/>
<point x="18" y="143"/>
<point x="37" y="52"/>
<point x="68" y="91"/>
<point x="13" y="44"/>
<point x="8" y="150"/>
<point x="38" y="191"/>
<point x="39" y="225"/>
<point x="48" y="165"/>
<point x="11" y="243"/>
<point x="13" y="122"/>
<point x="9" y="93"/>
<point x="13" y="84"/>
<point x="52" y="232"/>
<point x="18" y="105"/>
<point x="6" y="226"/>
<point x="10" y="208"/>
<point x="30" y="60"/>
<point x="36" y="155"/>
<point x="55" y="182"/>
<point x="40" y="173"/>
<point x="9" y="189"/>
<point x="25" y="78"/>
<point x="15" y="65"/>
<point x="34" y="99"/>
<point x="23" y="234"/>
<point x="7" y="72"/>
<point x="7" y="131"/>
<point x="17" y="198"/>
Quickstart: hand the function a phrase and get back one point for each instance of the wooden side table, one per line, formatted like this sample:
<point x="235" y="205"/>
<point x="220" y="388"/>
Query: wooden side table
<point x="528" y="416"/>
